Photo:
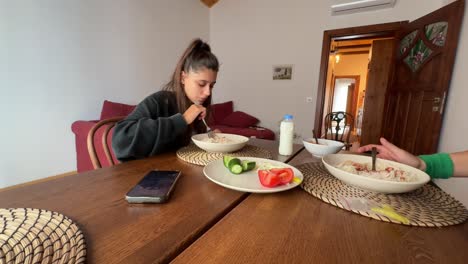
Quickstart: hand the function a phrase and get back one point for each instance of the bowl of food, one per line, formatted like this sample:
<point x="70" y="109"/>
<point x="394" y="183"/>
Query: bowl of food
<point x="222" y="142"/>
<point x="324" y="146"/>
<point x="388" y="177"/>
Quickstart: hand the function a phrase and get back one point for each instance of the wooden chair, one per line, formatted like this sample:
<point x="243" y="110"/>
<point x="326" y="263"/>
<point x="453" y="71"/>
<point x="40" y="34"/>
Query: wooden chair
<point x="98" y="143"/>
<point x="338" y="126"/>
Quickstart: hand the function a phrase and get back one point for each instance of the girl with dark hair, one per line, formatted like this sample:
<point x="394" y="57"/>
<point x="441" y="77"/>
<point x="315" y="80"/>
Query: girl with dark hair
<point x="166" y="119"/>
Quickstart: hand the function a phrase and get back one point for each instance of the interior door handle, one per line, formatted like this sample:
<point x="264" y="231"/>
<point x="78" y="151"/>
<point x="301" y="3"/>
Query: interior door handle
<point x="442" y="104"/>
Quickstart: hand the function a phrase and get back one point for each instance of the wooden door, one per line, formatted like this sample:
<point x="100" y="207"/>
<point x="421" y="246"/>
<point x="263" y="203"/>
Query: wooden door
<point x="423" y="69"/>
<point x="378" y="77"/>
<point x="351" y="101"/>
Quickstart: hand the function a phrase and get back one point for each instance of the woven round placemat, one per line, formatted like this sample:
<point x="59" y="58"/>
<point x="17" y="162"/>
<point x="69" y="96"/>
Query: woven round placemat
<point x="427" y="206"/>
<point x="39" y="236"/>
<point x="195" y="155"/>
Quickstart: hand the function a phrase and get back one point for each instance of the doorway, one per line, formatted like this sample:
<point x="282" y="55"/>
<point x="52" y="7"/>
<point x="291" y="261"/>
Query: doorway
<point x="346" y="54"/>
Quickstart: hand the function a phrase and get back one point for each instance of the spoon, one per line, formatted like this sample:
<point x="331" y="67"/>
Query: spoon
<point x="374" y="156"/>
<point x="315" y="136"/>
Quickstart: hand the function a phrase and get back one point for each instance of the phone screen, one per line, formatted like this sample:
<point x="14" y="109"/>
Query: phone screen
<point x="154" y="187"/>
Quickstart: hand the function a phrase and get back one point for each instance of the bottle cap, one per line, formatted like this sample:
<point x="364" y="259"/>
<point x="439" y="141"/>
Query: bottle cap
<point x="288" y="117"/>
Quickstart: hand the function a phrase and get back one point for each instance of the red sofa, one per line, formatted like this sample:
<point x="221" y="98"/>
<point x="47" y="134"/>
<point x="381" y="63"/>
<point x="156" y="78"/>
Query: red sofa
<point x="229" y="121"/>
<point x="223" y="118"/>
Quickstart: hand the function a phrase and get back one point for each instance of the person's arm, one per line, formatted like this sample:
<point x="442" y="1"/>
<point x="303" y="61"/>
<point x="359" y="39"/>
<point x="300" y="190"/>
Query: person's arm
<point x="391" y="152"/>
<point x="460" y="163"/>
<point x="439" y="165"/>
<point x="153" y="127"/>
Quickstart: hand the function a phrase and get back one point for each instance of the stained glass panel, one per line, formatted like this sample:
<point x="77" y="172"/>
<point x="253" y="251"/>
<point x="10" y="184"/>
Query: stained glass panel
<point x="406" y="41"/>
<point x="417" y="56"/>
<point x="436" y="33"/>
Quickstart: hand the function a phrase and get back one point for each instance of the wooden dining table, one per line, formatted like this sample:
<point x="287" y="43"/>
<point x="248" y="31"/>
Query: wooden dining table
<point x="295" y="227"/>
<point x="119" y="232"/>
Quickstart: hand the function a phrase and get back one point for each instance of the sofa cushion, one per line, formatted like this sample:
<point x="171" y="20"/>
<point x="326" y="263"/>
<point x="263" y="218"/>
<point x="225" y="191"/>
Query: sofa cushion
<point x="113" y="109"/>
<point x="239" y="119"/>
<point x="220" y="111"/>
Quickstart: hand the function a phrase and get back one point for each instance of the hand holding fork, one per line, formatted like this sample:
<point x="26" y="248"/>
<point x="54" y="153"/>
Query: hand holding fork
<point x="198" y="111"/>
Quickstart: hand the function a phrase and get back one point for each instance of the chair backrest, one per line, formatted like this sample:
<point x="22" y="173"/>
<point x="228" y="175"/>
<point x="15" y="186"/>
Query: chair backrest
<point x="338" y="126"/>
<point x="98" y="141"/>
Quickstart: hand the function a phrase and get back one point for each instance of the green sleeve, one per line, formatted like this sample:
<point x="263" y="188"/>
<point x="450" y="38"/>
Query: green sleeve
<point x="438" y="165"/>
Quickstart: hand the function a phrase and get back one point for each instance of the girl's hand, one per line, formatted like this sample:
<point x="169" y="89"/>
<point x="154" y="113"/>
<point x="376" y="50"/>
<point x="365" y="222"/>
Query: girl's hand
<point x="193" y="112"/>
<point x="391" y="152"/>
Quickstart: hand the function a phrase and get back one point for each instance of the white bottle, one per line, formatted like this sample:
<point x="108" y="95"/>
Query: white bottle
<point x="286" y="136"/>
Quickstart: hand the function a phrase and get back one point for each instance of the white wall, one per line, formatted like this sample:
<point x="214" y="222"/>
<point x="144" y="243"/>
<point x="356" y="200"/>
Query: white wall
<point x="455" y="122"/>
<point x="251" y="35"/>
<point x="61" y="59"/>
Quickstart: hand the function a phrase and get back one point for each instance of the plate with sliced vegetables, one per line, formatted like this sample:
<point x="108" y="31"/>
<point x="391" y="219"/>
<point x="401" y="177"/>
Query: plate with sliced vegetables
<point x="255" y="175"/>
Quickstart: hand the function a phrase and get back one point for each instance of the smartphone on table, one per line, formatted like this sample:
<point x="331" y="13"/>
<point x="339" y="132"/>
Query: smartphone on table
<point x="155" y="187"/>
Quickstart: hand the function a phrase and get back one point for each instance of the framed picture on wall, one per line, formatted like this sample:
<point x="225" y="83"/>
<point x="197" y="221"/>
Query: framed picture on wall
<point x="282" y="72"/>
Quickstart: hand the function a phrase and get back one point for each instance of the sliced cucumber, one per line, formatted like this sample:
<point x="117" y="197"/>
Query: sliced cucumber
<point x="236" y="169"/>
<point x="226" y="160"/>
<point x="248" y="165"/>
<point x="236" y="166"/>
<point x="232" y="162"/>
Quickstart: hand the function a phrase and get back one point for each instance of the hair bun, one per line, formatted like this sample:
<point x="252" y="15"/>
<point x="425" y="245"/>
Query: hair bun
<point x="200" y="45"/>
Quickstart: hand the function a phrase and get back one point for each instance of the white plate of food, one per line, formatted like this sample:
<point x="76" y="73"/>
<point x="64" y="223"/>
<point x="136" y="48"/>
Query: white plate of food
<point x="389" y="177"/>
<point x="222" y="142"/>
<point x="249" y="181"/>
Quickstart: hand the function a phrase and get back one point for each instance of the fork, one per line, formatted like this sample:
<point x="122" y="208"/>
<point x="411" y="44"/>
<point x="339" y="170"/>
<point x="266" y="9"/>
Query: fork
<point x="210" y="132"/>
<point x="374" y="155"/>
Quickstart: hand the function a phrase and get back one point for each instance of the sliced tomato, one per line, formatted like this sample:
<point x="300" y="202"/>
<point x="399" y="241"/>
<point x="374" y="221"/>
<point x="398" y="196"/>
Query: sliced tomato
<point x="268" y="179"/>
<point x="286" y="175"/>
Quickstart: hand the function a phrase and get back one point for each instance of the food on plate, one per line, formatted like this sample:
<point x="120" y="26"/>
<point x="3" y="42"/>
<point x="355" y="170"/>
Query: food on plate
<point x="218" y="139"/>
<point x="382" y="171"/>
<point x="276" y="176"/>
<point x="268" y="174"/>
<point x="237" y="166"/>
<point x="248" y="165"/>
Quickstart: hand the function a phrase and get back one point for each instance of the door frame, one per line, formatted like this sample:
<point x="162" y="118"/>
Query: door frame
<point x="368" y="31"/>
